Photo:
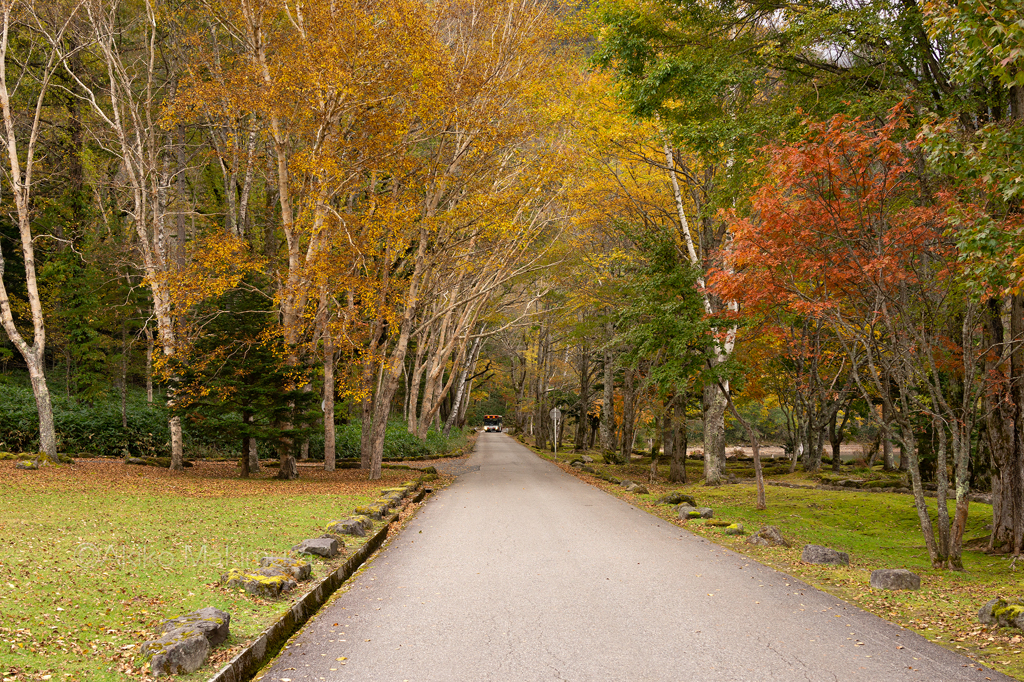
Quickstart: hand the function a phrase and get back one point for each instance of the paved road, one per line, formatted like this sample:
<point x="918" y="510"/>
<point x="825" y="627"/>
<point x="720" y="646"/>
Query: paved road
<point x="520" y="572"/>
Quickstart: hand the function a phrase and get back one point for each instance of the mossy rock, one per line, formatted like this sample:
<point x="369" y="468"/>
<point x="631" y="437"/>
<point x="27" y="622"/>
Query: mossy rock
<point x="374" y="511"/>
<point x="884" y="483"/>
<point x="296" y="568"/>
<point x="717" y="523"/>
<point x="1005" y="613"/>
<point x="677" y="497"/>
<point x="427" y="478"/>
<point x="178" y="652"/>
<point x="734" y="529"/>
<point x="266" y="586"/>
<point x="60" y="458"/>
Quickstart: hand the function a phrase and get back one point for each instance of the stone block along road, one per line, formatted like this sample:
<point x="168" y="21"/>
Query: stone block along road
<point x="521" y="572"/>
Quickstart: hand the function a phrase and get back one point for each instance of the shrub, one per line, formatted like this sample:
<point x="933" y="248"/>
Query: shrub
<point x="399" y="444"/>
<point x="94" y="429"/>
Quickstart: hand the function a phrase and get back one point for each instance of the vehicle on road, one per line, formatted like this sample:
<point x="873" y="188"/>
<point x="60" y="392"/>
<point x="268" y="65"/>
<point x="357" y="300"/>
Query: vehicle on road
<point x="492" y="422"/>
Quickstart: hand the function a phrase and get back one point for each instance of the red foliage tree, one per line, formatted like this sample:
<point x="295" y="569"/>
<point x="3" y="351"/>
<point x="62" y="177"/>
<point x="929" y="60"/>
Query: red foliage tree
<point x="843" y="232"/>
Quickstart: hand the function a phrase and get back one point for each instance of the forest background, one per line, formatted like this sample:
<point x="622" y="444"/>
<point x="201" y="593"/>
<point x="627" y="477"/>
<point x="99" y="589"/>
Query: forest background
<point x="268" y="229"/>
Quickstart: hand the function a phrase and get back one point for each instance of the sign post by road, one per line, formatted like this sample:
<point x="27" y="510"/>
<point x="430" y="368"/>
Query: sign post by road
<point x="556" y="417"/>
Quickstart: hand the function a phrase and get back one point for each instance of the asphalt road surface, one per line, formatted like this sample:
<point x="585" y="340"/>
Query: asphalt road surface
<point x="521" y="572"/>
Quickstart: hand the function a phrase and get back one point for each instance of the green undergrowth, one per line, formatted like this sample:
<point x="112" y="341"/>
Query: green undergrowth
<point x="93" y="557"/>
<point x="877" y="529"/>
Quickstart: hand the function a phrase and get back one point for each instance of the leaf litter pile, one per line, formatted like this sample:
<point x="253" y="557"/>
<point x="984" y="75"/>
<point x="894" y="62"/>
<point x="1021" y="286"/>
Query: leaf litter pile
<point x="94" y="555"/>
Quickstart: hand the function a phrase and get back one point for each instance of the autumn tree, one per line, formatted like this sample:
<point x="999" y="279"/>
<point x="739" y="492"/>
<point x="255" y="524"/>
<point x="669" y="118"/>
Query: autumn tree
<point x="29" y="60"/>
<point x="838" y="234"/>
<point x="979" y="145"/>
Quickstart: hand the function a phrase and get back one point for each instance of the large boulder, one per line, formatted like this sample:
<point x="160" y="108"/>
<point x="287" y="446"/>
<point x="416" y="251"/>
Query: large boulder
<point x="734" y="529"/>
<point x="213" y="623"/>
<point x="325" y="547"/>
<point x="26" y="464"/>
<point x="265" y="586"/>
<point x="178" y="652"/>
<point x="768" y="536"/>
<point x="296" y="568"/>
<point x="895" y="579"/>
<point x="677" y="497"/>
<point x="637" y="489"/>
<point x="816" y="554"/>
<point x="587" y="459"/>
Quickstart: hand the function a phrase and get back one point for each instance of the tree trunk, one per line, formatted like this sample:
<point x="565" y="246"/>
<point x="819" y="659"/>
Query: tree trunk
<point x="1016" y="464"/>
<point x="289" y="470"/>
<point x="1000" y="412"/>
<point x="542" y="420"/>
<point x="909" y="444"/>
<point x="714" y="433"/>
<point x="329" y="437"/>
<point x="835" y="437"/>
<point x="628" y="415"/>
<point x="41" y="393"/>
<point x="177" y="449"/>
<point x="886" y="439"/>
<point x="20" y="181"/>
<point x="680" y="437"/>
<point x="755" y="445"/>
<point x="608" y="406"/>
<point x="656" y="444"/>
<point x="461" y="386"/>
<point x="254" y="456"/>
<point x="812" y="453"/>
<point x="149" y="364"/>
<point x="676" y="432"/>
<point x="583" y="421"/>
<point x="366" y="404"/>
<point x="942" y="493"/>
<point x="247" y="446"/>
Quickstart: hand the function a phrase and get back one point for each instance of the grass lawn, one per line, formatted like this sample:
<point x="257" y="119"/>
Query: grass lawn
<point x="878" y="530"/>
<point x="95" y="555"/>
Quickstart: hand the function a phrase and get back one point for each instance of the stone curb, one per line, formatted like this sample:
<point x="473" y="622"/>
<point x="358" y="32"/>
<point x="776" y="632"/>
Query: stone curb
<point x="253" y="657"/>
